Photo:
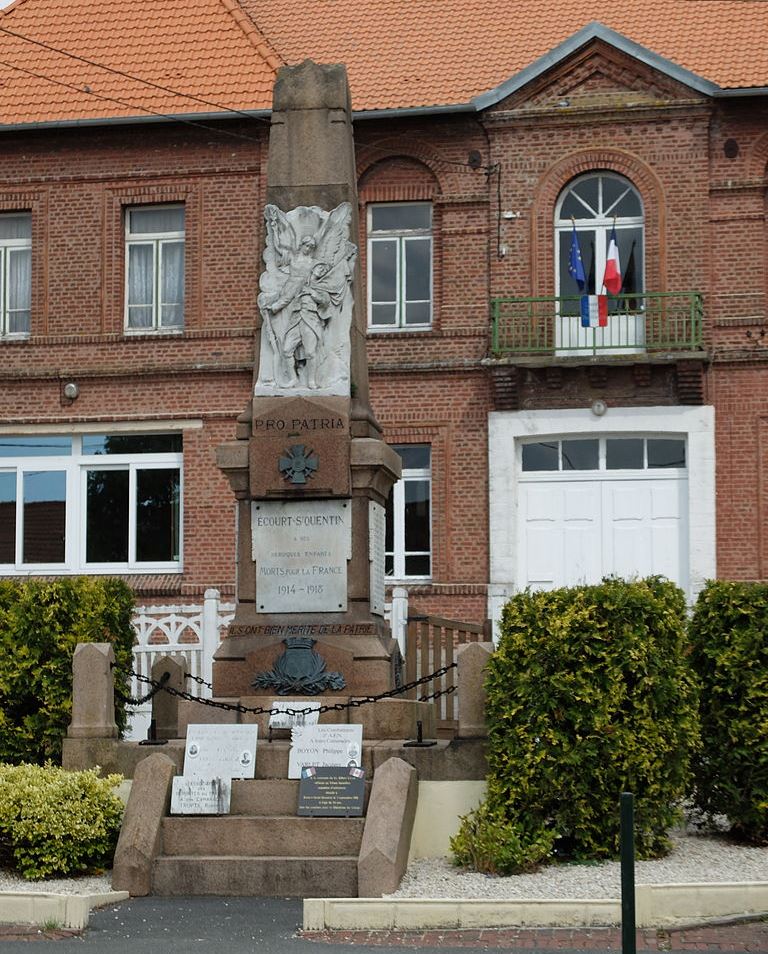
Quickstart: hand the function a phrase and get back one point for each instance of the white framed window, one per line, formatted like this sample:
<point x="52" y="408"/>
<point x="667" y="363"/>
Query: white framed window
<point x="96" y="503"/>
<point x="15" y="273"/>
<point x="154" y="268"/>
<point x="399" y="266"/>
<point x="408" y="537"/>
<point x="595" y="203"/>
<point x="615" y="453"/>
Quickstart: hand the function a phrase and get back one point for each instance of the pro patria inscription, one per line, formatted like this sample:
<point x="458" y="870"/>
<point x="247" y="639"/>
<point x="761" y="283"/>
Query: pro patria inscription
<point x="301" y="550"/>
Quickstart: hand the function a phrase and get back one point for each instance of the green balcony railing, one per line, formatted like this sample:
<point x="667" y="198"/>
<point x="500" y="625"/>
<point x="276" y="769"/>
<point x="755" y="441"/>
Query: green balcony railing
<point x="652" y="321"/>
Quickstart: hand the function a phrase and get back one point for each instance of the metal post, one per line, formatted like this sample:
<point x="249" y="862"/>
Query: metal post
<point x="627" y="850"/>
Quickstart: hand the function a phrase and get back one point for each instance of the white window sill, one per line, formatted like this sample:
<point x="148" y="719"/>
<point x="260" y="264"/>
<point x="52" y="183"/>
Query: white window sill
<point x="397" y="330"/>
<point x="22" y="336"/>
<point x="153" y="332"/>
<point x="113" y="570"/>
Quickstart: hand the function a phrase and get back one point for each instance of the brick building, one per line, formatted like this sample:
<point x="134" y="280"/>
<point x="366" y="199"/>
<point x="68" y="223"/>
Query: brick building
<point x="536" y="450"/>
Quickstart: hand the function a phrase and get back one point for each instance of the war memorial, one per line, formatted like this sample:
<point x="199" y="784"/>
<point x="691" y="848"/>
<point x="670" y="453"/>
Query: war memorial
<point x="300" y="776"/>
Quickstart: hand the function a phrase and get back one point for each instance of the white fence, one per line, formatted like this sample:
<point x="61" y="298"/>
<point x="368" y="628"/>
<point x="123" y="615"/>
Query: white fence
<point x="192" y="633"/>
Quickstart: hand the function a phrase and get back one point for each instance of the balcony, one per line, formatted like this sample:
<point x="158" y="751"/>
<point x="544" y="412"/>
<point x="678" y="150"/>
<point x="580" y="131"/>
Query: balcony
<point x="654" y="325"/>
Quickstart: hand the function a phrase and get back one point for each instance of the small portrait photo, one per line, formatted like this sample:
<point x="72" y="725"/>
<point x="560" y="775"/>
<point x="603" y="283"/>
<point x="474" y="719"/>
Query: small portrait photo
<point x="193" y="750"/>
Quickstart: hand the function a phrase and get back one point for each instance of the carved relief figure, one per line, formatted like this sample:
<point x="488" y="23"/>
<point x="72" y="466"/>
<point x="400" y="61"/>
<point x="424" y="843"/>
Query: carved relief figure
<point x="306" y="300"/>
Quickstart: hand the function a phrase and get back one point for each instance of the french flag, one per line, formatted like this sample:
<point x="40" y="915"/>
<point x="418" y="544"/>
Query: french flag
<point x="594" y="311"/>
<point x="612" y="278"/>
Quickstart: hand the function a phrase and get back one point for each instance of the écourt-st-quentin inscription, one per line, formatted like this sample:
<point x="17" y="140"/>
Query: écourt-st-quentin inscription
<point x="301" y="549"/>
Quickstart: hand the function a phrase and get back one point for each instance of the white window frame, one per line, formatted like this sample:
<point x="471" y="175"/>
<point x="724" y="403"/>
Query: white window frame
<point x="601" y="224"/>
<point x="398" y="514"/>
<point x="156" y="240"/>
<point x="401" y="237"/>
<point x="7" y="246"/>
<point x="76" y="467"/>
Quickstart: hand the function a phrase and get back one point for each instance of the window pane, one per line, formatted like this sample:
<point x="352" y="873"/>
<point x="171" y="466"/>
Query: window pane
<point x="157" y="515"/>
<point x="663" y="452"/>
<point x="8" y="517"/>
<point x="413" y="456"/>
<point x="383" y="315"/>
<point x="385" y="218"/>
<point x="417" y="565"/>
<point x="630" y="242"/>
<point x="586" y="191"/>
<point x="384" y="271"/>
<point x="628" y="203"/>
<point x="132" y="443"/>
<point x="418" y="267"/>
<point x="16" y="226"/>
<point x="568" y="286"/>
<point x="107" y="516"/>
<point x="45" y="504"/>
<point x="581" y="455"/>
<point x="140" y="285"/>
<point x="417" y="530"/>
<point x="624" y="453"/>
<point x="172" y="284"/>
<point x="541" y="456"/>
<point x="19" y="289"/>
<point x="152" y="221"/>
<point x="389" y="523"/>
<point x="44" y="446"/>
<point x="417" y="313"/>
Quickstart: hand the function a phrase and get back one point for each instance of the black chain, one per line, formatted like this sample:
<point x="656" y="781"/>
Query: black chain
<point x="336" y="707"/>
<point x="156" y="687"/>
<point x="199" y="680"/>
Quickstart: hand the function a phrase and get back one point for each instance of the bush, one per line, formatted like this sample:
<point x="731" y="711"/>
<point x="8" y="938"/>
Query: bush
<point x="54" y="822"/>
<point x="589" y="694"/>
<point x="729" y="631"/>
<point x="41" y="623"/>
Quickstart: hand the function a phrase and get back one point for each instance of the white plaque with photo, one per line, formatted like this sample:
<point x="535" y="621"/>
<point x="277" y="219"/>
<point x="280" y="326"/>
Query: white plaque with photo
<point x="291" y="713"/>
<point x="325" y="745"/>
<point x="220" y="751"/>
<point x="301" y="549"/>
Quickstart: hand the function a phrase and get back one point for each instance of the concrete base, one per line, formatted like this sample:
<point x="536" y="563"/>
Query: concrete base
<point x="65" y="910"/>
<point x="657" y="906"/>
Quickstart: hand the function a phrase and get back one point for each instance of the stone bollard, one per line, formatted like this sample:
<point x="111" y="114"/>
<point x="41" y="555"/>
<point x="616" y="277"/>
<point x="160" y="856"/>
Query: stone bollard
<point x="140" y="838"/>
<point x="386" y="840"/>
<point x="93" y="692"/>
<point x="472" y="658"/>
<point x="165" y="706"/>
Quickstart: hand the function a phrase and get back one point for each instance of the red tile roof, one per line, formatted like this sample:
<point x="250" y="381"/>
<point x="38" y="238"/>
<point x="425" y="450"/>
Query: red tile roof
<point x="399" y="53"/>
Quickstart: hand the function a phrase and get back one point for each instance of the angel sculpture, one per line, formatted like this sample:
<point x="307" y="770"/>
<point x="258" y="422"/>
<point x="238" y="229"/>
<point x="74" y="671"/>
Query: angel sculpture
<point x="304" y="289"/>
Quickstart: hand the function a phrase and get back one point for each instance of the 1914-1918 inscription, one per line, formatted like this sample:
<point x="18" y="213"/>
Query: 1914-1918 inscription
<point x="301" y="550"/>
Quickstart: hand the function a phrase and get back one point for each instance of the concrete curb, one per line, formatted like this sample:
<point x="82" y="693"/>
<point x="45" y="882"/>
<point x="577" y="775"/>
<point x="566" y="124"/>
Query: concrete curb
<point x="656" y="905"/>
<point x="65" y="910"/>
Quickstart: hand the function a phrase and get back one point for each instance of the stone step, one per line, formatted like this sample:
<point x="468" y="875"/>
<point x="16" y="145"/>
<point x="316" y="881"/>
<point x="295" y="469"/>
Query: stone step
<point x="277" y="835"/>
<point x="264" y="877"/>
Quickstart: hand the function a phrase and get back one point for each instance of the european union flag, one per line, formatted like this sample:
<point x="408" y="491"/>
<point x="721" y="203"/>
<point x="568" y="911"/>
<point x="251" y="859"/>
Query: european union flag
<point x="575" y="264"/>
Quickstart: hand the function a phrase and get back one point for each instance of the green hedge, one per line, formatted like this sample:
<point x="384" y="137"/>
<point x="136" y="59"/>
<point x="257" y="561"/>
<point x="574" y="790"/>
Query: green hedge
<point x="41" y="623"/>
<point x="729" y="631"/>
<point x="54" y="822"/>
<point x="589" y="694"/>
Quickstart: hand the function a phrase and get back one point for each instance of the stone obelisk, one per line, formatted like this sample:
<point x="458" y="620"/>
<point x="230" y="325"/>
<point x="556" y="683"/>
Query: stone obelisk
<point x="309" y="468"/>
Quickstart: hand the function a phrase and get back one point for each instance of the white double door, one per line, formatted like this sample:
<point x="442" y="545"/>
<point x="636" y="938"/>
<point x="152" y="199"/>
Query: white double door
<point x="574" y="530"/>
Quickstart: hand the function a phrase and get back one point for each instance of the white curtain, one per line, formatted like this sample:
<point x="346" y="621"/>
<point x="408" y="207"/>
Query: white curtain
<point x="172" y="284"/>
<point x="19" y="289"/>
<point x="140" y="285"/>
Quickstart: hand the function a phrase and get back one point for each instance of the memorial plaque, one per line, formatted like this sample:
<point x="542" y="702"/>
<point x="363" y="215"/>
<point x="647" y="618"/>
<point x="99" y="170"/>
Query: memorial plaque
<point x="325" y="746"/>
<point x="376" y="546"/>
<point x="327" y="791"/>
<point x="220" y="751"/>
<point x="301" y="549"/>
<point x="291" y="714"/>
<point x="200" y="796"/>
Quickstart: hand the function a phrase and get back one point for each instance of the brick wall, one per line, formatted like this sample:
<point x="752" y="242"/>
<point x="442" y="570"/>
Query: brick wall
<point x="705" y="230"/>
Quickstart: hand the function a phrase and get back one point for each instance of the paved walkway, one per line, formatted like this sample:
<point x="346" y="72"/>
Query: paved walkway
<point x="270" y="926"/>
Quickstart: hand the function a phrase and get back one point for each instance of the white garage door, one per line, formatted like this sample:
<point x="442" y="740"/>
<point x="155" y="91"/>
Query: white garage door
<point x="592" y="507"/>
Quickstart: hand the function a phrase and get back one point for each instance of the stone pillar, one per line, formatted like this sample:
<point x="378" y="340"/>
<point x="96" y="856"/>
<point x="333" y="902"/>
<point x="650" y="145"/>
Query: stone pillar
<point x="93" y="692"/>
<point x="165" y="706"/>
<point x="471" y="660"/>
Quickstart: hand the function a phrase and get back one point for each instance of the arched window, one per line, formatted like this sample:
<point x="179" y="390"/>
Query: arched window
<point x="595" y="203"/>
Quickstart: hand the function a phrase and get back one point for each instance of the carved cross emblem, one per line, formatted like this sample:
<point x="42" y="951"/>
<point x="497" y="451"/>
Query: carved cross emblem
<point x="299" y="464"/>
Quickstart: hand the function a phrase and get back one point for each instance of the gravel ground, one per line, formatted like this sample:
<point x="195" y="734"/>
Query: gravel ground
<point x="90" y="884"/>
<point x="694" y="858"/>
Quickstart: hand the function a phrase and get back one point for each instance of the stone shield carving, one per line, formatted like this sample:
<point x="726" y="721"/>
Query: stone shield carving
<point x="306" y="301"/>
<point x="300" y="670"/>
